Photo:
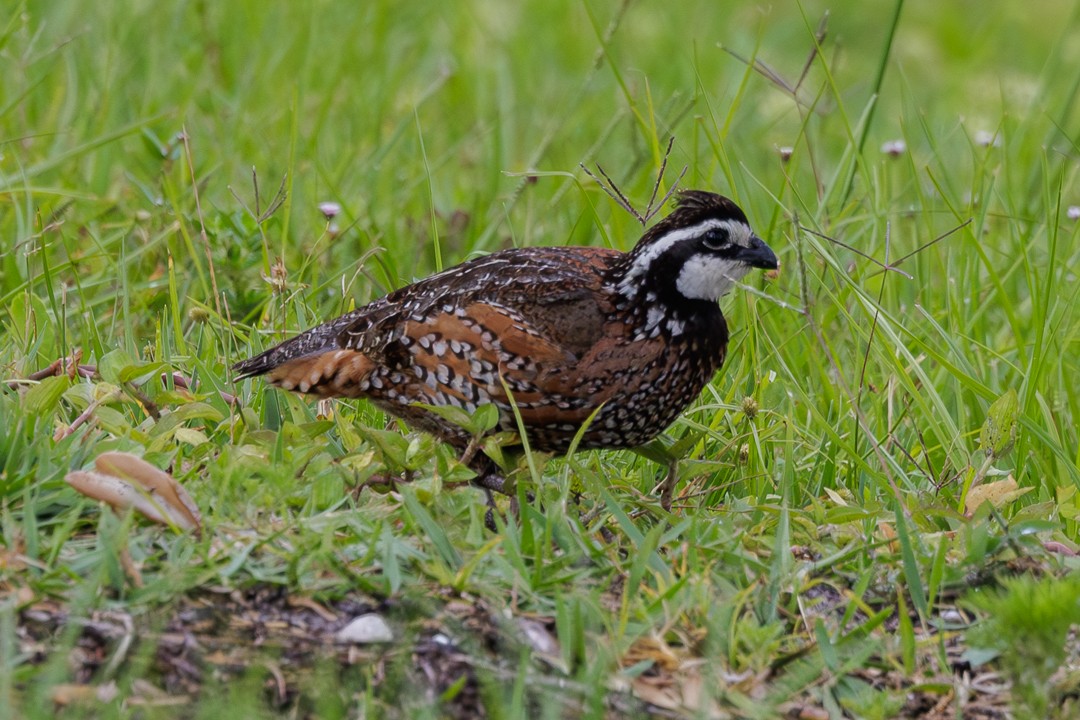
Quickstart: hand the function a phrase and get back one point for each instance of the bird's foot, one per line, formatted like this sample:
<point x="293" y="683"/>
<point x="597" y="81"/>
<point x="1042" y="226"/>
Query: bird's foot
<point x="492" y="482"/>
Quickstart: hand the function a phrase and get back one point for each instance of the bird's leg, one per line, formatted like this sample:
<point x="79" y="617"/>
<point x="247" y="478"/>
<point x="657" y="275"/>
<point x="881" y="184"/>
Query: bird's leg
<point x="489" y="478"/>
<point x="667" y="485"/>
<point x="664" y="451"/>
<point x="489" y="483"/>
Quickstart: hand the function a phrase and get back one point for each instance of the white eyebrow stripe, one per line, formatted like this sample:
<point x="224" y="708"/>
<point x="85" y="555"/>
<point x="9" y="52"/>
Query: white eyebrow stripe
<point x="739" y="232"/>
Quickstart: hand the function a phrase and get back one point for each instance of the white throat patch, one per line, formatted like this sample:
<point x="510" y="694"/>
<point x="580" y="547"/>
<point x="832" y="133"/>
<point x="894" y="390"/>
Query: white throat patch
<point x="738" y="232"/>
<point x="708" y="277"/>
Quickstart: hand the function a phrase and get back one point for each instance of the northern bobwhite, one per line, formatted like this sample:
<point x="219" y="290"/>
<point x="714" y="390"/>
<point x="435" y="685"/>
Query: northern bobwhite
<point x="567" y="329"/>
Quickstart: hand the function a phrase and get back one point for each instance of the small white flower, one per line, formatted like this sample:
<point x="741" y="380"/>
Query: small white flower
<point x="985" y="138"/>
<point x="1073" y="213"/>
<point x="786" y="151"/>
<point x="330" y="210"/>
<point x="894" y="148"/>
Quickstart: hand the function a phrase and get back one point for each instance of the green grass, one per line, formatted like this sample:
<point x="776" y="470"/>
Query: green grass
<point x="820" y="549"/>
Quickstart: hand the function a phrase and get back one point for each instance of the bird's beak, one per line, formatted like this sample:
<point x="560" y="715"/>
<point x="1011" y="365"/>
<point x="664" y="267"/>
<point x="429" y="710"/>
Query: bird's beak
<point x="758" y="255"/>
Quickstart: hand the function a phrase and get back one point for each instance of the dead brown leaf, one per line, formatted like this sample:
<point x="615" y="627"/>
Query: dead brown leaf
<point x="125" y="481"/>
<point x="674" y="682"/>
<point x="72" y="694"/>
<point x="998" y="494"/>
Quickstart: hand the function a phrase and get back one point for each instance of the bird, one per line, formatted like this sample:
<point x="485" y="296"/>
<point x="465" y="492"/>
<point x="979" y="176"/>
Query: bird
<point x="620" y="343"/>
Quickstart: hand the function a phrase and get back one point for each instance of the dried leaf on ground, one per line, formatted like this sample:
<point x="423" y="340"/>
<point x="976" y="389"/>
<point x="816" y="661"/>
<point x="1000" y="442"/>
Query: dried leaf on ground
<point x="998" y="494"/>
<point x="74" y="694"/>
<point x="125" y="481"/>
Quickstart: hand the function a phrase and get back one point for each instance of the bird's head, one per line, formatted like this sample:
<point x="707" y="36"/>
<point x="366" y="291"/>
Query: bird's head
<point x="696" y="253"/>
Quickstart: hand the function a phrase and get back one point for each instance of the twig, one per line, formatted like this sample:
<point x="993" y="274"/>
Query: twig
<point x="667" y="196"/>
<point x="819" y="38"/>
<point x="471" y="449"/>
<point x="609" y="33"/>
<point x="765" y="71"/>
<point x="911" y="458"/>
<point x="613" y="191"/>
<point x="62" y="432"/>
<point x="889" y="266"/>
<point x="281" y="688"/>
<point x="126" y="639"/>
<point x="56" y="368"/>
<point x="883" y="265"/>
<point x="130" y="568"/>
<point x="936" y="240"/>
<point x="143" y="399"/>
<point x="185" y="384"/>
<point x="873" y="330"/>
<point x="258" y="215"/>
<point x="777" y="79"/>
<point x="650" y="209"/>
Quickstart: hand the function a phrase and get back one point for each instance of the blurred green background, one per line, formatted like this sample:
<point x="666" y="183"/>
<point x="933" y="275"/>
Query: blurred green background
<point x="341" y="96"/>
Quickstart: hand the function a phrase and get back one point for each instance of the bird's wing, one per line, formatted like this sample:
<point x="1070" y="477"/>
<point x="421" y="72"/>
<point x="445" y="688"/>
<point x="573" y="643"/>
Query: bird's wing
<point x="511" y="316"/>
<point x="548" y="297"/>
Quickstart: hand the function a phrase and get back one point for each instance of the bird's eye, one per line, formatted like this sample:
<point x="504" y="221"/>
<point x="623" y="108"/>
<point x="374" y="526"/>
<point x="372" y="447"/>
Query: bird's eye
<point x="715" y="240"/>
